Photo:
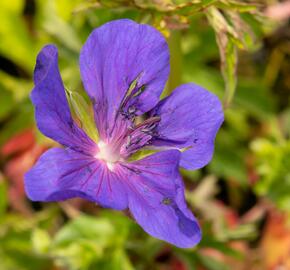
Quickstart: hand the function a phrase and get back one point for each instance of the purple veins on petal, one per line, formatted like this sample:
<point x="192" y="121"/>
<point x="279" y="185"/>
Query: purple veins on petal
<point x="113" y="56"/>
<point x="154" y="201"/>
<point x="52" y="112"/>
<point x="93" y="172"/>
<point x="124" y="67"/>
<point x="139" y="136"/>
<point x="64" y="180"/>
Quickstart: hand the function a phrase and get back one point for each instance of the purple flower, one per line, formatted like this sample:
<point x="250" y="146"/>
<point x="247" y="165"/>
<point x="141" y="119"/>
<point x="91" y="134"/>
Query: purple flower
<point x="124" y="68"/>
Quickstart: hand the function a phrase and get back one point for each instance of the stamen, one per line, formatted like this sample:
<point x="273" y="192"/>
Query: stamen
<point x="166" y="201"/>
<point x="138" y="137"/>
<point x="127" y="106"/>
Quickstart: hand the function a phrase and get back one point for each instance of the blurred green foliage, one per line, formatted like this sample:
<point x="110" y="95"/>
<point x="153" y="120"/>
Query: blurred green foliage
<point x="228" y="47"/>
<point x="273" y="163"/>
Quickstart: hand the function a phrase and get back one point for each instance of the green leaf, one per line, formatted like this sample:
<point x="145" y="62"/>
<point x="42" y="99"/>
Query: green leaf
<point x="272" y="164"/>
<point x="40" y="241"/>
<point x="242" y="232"/>
<point x="77" y="255"/>
<point x="208" y="241"/>
<point x="99" y="230"/>
<point x="123" y="225"/>
<point x="211" y="264"/>
<point x="237" y="6"/>
<point x="89" y="241"/>
<point x="116" y="260"/>
<point x="16" y="246"/>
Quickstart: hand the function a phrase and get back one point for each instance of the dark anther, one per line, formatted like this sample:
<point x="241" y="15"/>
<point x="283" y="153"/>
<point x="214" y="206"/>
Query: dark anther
<point x="131" y="110"/>
<point x="130" y="113"/>
<point x="139" y="91"/>
<point x="166" y="201"/>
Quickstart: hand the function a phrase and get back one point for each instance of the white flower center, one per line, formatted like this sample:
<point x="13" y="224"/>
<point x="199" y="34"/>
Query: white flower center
<point x="107" y="154"/>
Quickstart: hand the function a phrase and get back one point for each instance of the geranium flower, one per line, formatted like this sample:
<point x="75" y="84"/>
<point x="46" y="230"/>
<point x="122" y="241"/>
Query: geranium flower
<point x="124" y="67"/>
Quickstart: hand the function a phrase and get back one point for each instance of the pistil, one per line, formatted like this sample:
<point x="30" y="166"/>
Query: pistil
<point x="107" y="154"/>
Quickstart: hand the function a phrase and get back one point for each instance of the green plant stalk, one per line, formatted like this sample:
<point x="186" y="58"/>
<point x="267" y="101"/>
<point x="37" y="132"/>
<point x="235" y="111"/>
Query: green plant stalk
<point x="174" y="42"/>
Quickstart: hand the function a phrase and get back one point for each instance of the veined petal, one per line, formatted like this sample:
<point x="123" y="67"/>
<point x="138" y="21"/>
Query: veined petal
<point x="117" y="55"/>
<point x="52" y="111"/>
<point x="61" y="174"/>
<point x="151" y="188"/>
<point x="156" y="200"/>
<point x="190" y="117"/>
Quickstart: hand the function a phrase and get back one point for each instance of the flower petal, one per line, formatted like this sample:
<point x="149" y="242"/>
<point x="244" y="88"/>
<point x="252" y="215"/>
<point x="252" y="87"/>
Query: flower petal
<point x="156" y="199"/>
<point x="52" y="112"/>
<point x="190" y="117"/>
<point x="113" y="57"/>
<point x="61" y="174"/>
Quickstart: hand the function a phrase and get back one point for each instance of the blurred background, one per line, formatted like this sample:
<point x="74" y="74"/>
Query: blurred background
<point x="239" y="50"/>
